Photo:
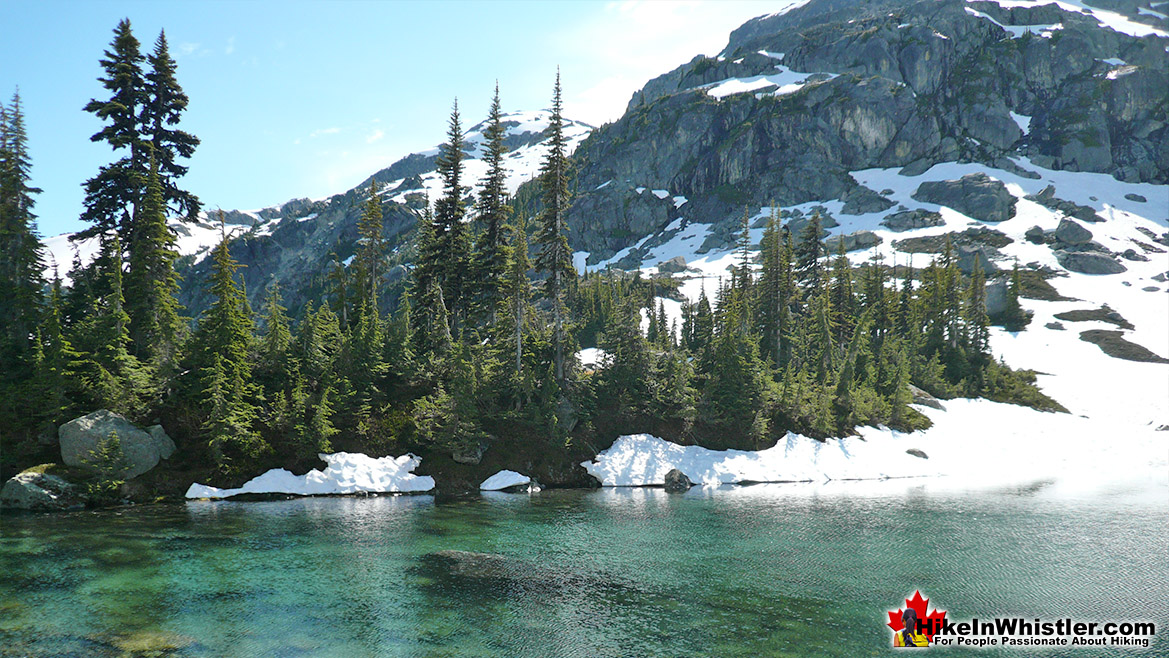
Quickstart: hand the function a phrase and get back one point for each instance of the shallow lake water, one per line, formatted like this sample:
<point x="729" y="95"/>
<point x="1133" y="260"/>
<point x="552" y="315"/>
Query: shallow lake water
<point x="768" y="570"/>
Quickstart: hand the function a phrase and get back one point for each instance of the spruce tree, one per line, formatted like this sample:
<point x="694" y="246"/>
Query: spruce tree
<point x="554" y="258"/>
<point x="161" y="113"/>
<point x="450" y="247"/>
<point x="225" y="339"/>
<point x="112" y="196"/>
<point x="809" y="252"/>
<point x="21" y="281"/>
<point x="518" y="288"/>
<point x="490" y="257"/>
<point x="153" y="307"/>
<point x="111" y="377"/>
<point x="371" y="250"/>
<point x="141" y="115"/>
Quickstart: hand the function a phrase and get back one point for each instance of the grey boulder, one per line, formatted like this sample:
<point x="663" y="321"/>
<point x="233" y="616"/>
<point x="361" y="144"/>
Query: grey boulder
<point x="1069" y="232"/>
<point x="40" y="492"/>
<point x="907" y="220"/>
<point x="142" y="450"/>
<point x="1089" y="262"/>
<point x="974" y="195"/>
<point x="677" y="482"/>
<point x="853" y="241"/>
<point x="996" y="297"/>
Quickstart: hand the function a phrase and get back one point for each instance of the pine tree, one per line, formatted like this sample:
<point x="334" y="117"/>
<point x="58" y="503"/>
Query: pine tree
<point x="152" y="304"/>
<point x="161" y="113"/>
<point x="451" y="247"/>
<point x="626" y="376"/>
<point x="554" y="258"/>
<point x="490" y="257"/>
<point x="372" y="248"/>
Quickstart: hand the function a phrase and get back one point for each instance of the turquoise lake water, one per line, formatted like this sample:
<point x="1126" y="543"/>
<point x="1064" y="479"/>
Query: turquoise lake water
<point x="769" y="570"/>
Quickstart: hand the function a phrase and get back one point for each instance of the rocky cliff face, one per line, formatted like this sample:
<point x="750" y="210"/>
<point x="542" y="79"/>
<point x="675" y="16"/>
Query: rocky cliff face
<point x="797" y="101"/>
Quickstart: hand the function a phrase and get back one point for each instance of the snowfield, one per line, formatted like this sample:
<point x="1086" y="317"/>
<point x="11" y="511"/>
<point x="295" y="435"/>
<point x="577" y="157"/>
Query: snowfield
<point x="1110" y="437"/>
<point x="347" y="473"/>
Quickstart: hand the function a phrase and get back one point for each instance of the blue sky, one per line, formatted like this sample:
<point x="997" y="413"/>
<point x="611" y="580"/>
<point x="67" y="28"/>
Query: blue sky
<point x="305" y="99"/>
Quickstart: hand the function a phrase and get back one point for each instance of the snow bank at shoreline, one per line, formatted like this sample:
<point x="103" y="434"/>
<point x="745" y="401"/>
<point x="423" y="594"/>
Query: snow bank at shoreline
<point x="346" y="473"/>
<point x="973" y="444"/>
<point x="504" y="479"/>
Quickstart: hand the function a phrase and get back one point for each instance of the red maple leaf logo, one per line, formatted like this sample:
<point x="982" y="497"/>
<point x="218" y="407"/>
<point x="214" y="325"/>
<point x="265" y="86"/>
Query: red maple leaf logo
<point x="930" y="623"/>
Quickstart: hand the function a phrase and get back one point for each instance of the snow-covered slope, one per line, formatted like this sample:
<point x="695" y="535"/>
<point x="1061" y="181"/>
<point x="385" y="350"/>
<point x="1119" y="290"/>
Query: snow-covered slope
<point x="1116" y="406"/>
<point x="524" y="132"/>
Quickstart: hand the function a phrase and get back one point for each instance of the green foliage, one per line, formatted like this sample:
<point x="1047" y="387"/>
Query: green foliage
<point x="111" y="467"/>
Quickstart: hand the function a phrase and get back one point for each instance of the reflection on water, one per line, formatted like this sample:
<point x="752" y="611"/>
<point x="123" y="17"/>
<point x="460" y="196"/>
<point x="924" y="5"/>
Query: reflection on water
<point x="766" y="570"/>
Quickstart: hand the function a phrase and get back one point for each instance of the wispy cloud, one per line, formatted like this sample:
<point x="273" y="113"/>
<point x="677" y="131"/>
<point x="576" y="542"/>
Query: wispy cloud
<point x="374" y="136"/>
<point x="332" y="130"/>
<point x="230" y="46"/>
<point x="186" y="48"/>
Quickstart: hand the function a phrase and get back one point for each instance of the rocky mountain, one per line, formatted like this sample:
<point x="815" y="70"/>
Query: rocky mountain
<point x="804" y="110"/>
<point x="301" y="242"/>
<point x="799" y="100"/>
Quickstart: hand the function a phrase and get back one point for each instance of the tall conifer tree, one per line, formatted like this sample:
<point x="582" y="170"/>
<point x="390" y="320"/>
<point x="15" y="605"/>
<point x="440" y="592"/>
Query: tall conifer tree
<point x="152" y="306"/>
<point x="21" y="281"/>
<point x="451" y="247"/>
<point x="490" y="258"/>
<point x="554" y="258"/>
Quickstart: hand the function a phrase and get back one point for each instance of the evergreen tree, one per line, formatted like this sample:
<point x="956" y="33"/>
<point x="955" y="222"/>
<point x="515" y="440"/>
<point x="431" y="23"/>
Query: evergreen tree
<point x="224" y="340"/>
<point x="518" y="288"/>
<point x="626" y="376"/>
<point x="1014" y="318"/>
<point x="21" y="281"/>
<point x="490" y="257"/>
<point x="554" y="258"/>
<point x="451" y="247"/>
<point x="809" y="252"/>
<point x="111" y="377"/>
<point x="111" y="197"/>
<point x="152" y="307"/>
<point x="161" y="112"/>
<point x="141" y="115"/>
<point x="371" y="249"/>
<point x="840" y="295"/>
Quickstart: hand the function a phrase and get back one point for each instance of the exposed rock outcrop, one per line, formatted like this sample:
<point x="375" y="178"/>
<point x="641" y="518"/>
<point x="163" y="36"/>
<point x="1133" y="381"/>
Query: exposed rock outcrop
<point x="974" y="195"/>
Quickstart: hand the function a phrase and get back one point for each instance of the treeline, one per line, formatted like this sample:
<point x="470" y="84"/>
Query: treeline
<point x="484" y="337"/>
